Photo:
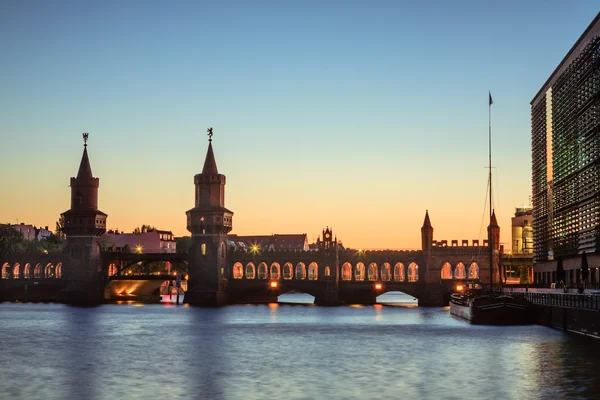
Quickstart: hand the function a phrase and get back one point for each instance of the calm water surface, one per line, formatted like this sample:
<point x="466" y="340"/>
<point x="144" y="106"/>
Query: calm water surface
<point x="52" y="351"/>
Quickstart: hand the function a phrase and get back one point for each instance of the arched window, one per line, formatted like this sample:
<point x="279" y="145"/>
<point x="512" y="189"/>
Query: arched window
<point x="37" y="271"/>
<point x="5" y="271"/>
<point x="347" y="271"/>
<point x="17" y="271"/>
<point x="413" y="272"/>
<point x="474" y="271"/>
<point x="262" y="271"/>
<point x="250" y="271"/>
<point x="288" y="271"/>
<point x="399" y="272"/>
<point x="49" y="271"/>
<point x="300" y="271"/>
<point x="238" y="271"/>
<point x="386" y="272"/>
<point x="112" y="269"/>
<point x="58" y="270"/>
<point x="313" y="271"/>
<point x="327" y="271"/>
<point x="460" y="271"/>
<point x="372" y="272"/>
<point x="359" y="273"/>
<point x="275" y="271"/>
<point x="27" y="271"/>
<point x="446" y="271"/>
<point x="203" y="249"/>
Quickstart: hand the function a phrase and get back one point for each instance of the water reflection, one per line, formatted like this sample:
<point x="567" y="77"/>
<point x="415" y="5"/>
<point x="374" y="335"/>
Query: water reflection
<point x="283" y="351"/>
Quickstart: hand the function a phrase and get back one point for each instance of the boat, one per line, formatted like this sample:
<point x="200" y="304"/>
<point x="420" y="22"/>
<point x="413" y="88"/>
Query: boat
<point x="488" y="307"/>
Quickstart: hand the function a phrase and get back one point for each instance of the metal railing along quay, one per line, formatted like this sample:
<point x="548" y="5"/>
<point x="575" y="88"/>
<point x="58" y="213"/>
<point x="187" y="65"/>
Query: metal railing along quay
<point x="567" y="300"/>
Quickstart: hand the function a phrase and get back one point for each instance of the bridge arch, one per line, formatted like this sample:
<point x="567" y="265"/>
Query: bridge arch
<point x="37" y="271"/>
<point x="413" y="272"/>
<point x="6" y="270"/>
<point x="359" y="273"/>
<point x="300" y="271"/>
<point x="238" y="270"/>
<point x="460" y="271"/>
<point x="399" y="272"/>
<point x="112" y="269"/>
<point x="250" y="271"/>
<point x="288" y="271"/>
<point x="263" y="272"/>
<point x="446" y="271"/>
<point x="327" y="271"/>
<point x="386" y="272"/>
<point x="372" y="272"/>
<point x="17" y="271"/>
<point x="473" y="270"/>
<point x="49" y="271"/>
<point x="347" y="271"/>
<point x="313" y="271"/>
<point x="275" y="271"/>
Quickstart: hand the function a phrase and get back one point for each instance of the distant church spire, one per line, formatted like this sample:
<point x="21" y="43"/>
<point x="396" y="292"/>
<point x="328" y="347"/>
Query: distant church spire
<point x="426" y="222"/>
<point x="210" y="165"/>
<point x="85" y="170"/>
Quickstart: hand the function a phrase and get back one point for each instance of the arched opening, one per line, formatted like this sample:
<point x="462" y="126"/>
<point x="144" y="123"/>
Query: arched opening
<point x="203" y="249"/>
<point x="473" y="271"/>
<point x="347" y="271"/>
<point x="386" y="272"/>
<point x="372" y="272"/>
<point x="112" y="269"/>
<point x="300" y="271"/>
<point x="399" y="275"/>
<point x="16" y="271"/>
<point x="238" y="271"/>
<point x="275" y="271"/>
<point x="446" y="271"/>
<point x="413" y="272"/>
<point x="288" y="271"/>
<point x="250" y="271"/>
<point x="327" y="271"/>
<point x="296" y="298"/>
<point x="262" y="271"/>
<point x="460" y="271"/>
<point x="359" y="273"/>
<point x="49" y="271"/>
<point x="27" y="271"/>
<point x="313" y="271"/>
<point x="58" y="270"/>
<point x="37" y="271"/>
<point x="5" y="271"/>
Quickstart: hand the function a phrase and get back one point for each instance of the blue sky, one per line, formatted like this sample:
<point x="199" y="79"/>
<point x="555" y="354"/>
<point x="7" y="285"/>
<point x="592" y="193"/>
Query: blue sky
<point x="358" y="115"/>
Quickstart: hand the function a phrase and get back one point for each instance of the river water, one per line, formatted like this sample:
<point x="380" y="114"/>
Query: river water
<point x="53" y="351"/>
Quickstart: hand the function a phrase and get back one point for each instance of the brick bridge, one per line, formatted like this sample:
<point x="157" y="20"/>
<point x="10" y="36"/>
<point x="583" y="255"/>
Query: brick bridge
<point x="218" y="275"/>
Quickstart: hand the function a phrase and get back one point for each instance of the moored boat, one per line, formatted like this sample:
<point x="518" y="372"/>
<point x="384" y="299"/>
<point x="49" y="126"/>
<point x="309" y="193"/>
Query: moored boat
<point x="493" y="308"/>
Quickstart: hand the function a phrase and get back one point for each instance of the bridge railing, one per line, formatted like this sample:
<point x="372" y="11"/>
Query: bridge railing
<point x="567" y="300"/>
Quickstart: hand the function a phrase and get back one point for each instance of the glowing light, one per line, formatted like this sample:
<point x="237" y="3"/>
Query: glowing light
<point x="460" y="288"/>
<point x="378" y="286"/>
<point x="274" y="284"/>
<point x="186" y="277"/>
<point x="138" y="249"/>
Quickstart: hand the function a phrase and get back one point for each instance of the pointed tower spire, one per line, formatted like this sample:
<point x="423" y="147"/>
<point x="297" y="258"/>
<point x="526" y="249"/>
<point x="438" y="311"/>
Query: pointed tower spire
<point x="210" y="165"/>
<point x="85" y="170"/>
<point x="426" y="222"/>
<point x="493" y="221"/>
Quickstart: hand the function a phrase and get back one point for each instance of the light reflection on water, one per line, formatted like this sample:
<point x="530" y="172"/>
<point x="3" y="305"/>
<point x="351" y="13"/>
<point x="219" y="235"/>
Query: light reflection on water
<point x="52" y="351"/>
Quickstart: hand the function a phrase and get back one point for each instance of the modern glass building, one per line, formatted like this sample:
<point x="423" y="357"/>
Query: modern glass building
<point x="565" y="144"/>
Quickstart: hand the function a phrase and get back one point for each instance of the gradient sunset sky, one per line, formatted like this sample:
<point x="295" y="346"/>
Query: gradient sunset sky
<point x="358" y="115"/>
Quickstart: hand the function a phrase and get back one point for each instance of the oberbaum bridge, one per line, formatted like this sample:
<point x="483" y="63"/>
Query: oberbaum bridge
<point x="218" y="275"/>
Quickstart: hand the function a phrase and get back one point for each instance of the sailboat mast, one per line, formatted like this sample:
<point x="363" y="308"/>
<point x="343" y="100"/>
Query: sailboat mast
<point x="490" y="235"/>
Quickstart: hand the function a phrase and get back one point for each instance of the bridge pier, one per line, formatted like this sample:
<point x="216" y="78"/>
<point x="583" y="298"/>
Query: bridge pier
<point x="330" y="298"/>
<point x="432" y="296"/>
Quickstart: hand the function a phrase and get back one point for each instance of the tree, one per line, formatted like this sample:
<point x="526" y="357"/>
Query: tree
<point x="60" y="224"/>
<point x="11" y="240"/>
<point x="183" y="244"/>
<point x="144" y="229"/>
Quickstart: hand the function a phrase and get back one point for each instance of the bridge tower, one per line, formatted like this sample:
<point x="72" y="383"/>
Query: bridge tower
<point x="209" y="222"/>
<point x="494" y="241"/>
<point x="83" y="225"/>
<point x="426" y="244"/>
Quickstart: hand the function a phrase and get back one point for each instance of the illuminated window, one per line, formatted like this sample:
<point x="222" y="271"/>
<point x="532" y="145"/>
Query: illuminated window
<point x="447" y="271"/>
<point x="413" y="272"/>
<point x="37" y="271"/>
<point x="262" y="271"/>
<point x="459" y="271"/>
<point x="5" y="271"/>
<point x="16" y="271"/>
<point x="327" y="271"/>
<point x="399" y="272"/>
<point x="300" y="271"/>
<point x="250" y="271"/>
<point x="288" y="271"/>
<point x="474" y="271"/>
<point x="359" y="272"/>
<point x="275" y="271"/>
<point x="27" y="271"/>
<point x="58" y="270"/>
<point x="203" y="249"/>
<point x="372" y="272"/>
<point x="386" y="272"/>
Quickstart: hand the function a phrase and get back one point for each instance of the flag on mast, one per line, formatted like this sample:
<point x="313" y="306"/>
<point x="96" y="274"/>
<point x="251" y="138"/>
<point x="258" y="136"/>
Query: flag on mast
<point x="491" y="101"/>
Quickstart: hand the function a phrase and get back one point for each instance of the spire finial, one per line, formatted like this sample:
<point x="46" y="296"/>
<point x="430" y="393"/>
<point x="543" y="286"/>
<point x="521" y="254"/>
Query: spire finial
<point x="85" y="139"/>
<point x="210" y="134"/>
